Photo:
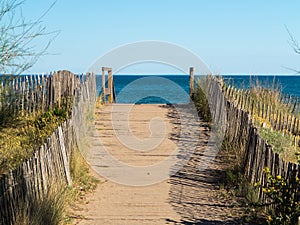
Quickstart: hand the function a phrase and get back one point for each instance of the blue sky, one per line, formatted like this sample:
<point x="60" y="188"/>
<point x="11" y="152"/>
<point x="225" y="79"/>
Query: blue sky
<point x="230" y="36"/>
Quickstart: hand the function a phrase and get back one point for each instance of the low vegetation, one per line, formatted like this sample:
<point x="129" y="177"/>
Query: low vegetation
<point x="201" y="103"/>
<point x="282" y="143"/>
<point x="282" y="205"/>
<point x="274" y="114"/>
<point x="21" y="135"/>
<point x="83" y="182"/>
<point x="47" y="210"/>
<point x="276" y="118"/>
<point x="234" y="183"/>
<point x="281" y="195"/>
<point x="54" y="207"/>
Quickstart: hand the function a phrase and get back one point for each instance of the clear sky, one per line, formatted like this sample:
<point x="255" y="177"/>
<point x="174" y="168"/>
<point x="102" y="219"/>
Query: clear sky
<point x="230" y="36"/>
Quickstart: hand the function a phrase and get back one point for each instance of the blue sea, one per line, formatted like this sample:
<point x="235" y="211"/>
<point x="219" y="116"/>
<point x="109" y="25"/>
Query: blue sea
<point x="151" y="89"/>
<point x="155" y="89"/>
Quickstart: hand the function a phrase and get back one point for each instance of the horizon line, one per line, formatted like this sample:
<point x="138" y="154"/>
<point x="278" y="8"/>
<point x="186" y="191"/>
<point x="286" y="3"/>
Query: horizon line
<point x="179" y="74"/>
<point x="182" y="74"/>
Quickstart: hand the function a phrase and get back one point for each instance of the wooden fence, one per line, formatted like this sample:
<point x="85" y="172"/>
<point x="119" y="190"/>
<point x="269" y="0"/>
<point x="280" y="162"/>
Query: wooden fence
<point x="282" y="111"/>
<point x="240" y="130"/>
<point x="50" y="164"/>
<point x="33" y="93"/>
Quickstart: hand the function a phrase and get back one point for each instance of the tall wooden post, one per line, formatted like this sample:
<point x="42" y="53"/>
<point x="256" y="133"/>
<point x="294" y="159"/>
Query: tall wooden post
<point x="110" y="89"/>
<point x="192" y="80"/>
<point x="110" y="86"/>
<point x="103" y="84"/>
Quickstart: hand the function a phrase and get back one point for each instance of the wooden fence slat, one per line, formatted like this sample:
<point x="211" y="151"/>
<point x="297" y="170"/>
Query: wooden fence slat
<point x="65" y="161"/>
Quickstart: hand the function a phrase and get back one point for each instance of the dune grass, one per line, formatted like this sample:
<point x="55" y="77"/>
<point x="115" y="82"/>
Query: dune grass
<point x="47" y="210"/>
<point x="201" y="102"/>
<point x="54" y="206"/>
<point x="22" y="135"/>
<point x="266" y="103"/>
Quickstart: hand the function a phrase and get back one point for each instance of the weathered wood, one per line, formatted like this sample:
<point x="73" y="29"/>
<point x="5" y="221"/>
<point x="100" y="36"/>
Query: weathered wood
<point x="192" y="81"/>
<point x="64" y="155"/>
<point x="109" y="91"/>
<point x="50" y="163"/>
<point x="258" y="154"/>
<point x="110" y="86"/>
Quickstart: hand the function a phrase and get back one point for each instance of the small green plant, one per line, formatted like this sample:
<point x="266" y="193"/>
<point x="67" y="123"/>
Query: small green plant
<point x="283" y="143"/>
<point x="201" y="102"/>
<point x="47" y="210"/>
<point x="53" y="207"/>
<point x="234" y="183"/>
<point x="83" y="182"/>
<point x="82" y="179"/>
<point x="277" y="139"/>
<point x="283" y="196"/>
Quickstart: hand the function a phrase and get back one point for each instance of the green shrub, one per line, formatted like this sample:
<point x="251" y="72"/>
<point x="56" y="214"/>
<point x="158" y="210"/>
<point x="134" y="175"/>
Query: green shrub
<point x="82" y="179"/>
<point x="277" y="139"/>
<point x="282" y="194"/>
<point x="21" y="135"/>
<point x="201" y="103"/>
<point x="47" y="210"/>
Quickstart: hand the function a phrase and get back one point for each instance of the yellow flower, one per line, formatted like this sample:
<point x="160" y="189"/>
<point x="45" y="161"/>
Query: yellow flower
<point x="297" y="179"/>
<point x="257" y="184"/>
<point x="264" y="190"/>
<point x="266" y="170"/>
<point x="269" y="218"/>
<point x="278" y="177"/>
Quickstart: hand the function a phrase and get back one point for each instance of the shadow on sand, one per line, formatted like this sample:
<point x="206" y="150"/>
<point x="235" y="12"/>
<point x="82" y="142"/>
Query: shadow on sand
<point x="193" y="193"/>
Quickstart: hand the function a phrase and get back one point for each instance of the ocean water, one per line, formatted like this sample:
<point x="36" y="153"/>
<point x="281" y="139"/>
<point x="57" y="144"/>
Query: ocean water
<point x="167" y="89"/>
<point x="284" y="83"/>
<point x="155" y="89"/>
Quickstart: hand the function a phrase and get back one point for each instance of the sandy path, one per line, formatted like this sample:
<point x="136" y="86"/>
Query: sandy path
<point x="189" y="196"/>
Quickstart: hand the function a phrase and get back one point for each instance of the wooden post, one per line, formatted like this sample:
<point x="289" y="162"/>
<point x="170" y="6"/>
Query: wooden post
<point x="110" y="90"/>
<point x="110" y="86"/>
<point x="192" y="81"/>
<point x="103" y="84"/>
